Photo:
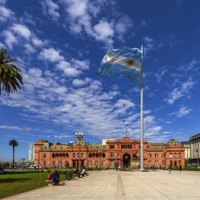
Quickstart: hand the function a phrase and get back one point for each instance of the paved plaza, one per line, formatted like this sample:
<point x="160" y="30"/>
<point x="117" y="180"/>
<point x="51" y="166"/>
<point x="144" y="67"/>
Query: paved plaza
<point x="122" y="185"/>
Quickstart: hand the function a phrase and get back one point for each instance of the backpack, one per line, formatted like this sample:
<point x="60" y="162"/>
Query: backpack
<point x="49" y="176"/>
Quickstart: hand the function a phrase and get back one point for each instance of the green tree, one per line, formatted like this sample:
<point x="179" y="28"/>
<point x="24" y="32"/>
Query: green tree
<point x="10" y="78"/>
<point x="14" y="144"/>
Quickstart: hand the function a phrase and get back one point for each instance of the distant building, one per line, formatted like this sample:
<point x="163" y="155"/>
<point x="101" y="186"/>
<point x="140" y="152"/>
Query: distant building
<point x="195" y="148"/>
<point x="125" y="152"/>
<point x="186" y="145"/>
<point x="105" y="140"/>
<point x="31" y="152"/>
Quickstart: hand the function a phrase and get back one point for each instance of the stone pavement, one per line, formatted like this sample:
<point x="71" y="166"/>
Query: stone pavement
<point x="121" y="185"/>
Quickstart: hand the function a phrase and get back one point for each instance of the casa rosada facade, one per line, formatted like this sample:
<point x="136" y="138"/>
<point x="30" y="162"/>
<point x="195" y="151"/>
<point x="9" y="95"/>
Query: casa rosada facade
<point x="125" y="152"/>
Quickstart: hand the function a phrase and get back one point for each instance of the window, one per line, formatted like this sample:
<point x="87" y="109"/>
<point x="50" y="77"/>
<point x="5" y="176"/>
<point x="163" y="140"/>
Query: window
<point x="170" y="155"/>
<point x="53" y="163"/>
<point x="44" y="155"/>
<point x="89" y="163"/>
<point x="112" y="146"/>
<point x="179" y="155"/>
<point x="82" y="155"/>
<point x="156" y="155"/>
<point x="96" y="163"/>
<point x="175" y="155"/>
<point x="149" y="155"/>
<point x="149" y="163"/>
<point x="111" y="154"/>
<point x="112" y="163"/>
<point x="74" y="155"/>
<point x="60" y="163"/>
<point x="126" y="146"/>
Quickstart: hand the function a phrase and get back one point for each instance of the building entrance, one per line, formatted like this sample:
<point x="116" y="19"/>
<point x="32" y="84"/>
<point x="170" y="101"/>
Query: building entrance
<point x="126" y="160"/>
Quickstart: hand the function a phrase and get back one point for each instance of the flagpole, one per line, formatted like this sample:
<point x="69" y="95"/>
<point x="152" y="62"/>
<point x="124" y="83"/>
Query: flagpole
<point x="141" y="115"/>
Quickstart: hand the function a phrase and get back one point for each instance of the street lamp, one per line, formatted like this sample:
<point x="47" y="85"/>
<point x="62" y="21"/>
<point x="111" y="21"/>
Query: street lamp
<point x="23" y="159"/>
<point x="79" y="135"/>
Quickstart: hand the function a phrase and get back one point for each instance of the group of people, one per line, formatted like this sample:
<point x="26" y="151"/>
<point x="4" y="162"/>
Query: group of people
<point x="82" y="173"/>
<point x="178" y="168"/>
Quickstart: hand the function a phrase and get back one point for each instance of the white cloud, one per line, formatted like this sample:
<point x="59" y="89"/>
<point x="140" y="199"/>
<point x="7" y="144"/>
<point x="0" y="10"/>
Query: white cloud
<point x="183" y="111"/>
<point x="78" y="82"/>
<point x="149" y="44"/>
<point x="29" y="49"/>
<point x="37" y="42"/>
<point x="10" y="39"/>
<point x="180" y="92"/>
<point x="50" y="8"/>
<point x="191" y="66"/>
<point x="22" y="31"/>
<point x="160" y="74"/>
<point x="103" y="30"/>
<point x="50" y="54"/>
<point x="68" y="69"/>
<point x="5" y="13"/>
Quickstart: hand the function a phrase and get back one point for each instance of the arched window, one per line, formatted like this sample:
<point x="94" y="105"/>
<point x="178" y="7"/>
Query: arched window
<point x="53" y="155"/>
<point x="90" y="155"/>
<point x="175" y="155"/>
<point x="74" y="155"/>
<point x="111" y="154"/>
<point x="44" y="155"/>
<point x="97" y="155"/>
<point x="103" y="155"/>
<point x="149" y="155"/>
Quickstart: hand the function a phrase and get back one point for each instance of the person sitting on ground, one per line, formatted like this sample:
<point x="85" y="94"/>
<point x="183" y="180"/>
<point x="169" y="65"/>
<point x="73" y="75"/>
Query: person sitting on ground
<point x="55" y="178"/>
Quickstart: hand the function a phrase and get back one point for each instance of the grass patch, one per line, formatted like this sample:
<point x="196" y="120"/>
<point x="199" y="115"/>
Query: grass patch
<point x="15" y="182"/>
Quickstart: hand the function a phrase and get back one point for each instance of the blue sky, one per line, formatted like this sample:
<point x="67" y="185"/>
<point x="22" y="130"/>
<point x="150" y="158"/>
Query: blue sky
<point x="60" y="44"/>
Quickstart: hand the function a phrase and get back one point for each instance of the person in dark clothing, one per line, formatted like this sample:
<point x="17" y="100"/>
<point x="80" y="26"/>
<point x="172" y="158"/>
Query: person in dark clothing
<point x="180" y="167"/>
<point x="55" y="177"/>
<point x="76" y="172"/>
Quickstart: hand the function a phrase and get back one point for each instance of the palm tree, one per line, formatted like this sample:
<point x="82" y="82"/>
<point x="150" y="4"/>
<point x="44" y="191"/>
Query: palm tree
<point x="9" y="73"/>
<point x="14" y="144"/>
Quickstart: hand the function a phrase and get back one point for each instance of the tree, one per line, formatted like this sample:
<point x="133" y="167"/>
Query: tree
<point x="14" y="144"/>
<point x="10" y="78"/>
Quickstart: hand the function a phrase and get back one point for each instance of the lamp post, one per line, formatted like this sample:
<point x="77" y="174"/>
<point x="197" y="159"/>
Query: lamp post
<point x="23" y="159"/>
<point x="79" y="135"/>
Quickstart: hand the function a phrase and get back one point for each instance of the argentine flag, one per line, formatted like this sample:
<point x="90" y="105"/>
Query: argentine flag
<point x="122" y="60"/>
